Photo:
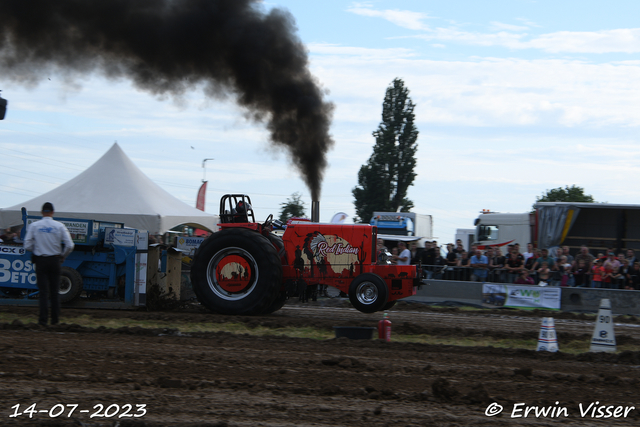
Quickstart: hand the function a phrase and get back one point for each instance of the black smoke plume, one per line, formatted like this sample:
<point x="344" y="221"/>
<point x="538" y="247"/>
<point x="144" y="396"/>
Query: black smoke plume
<point x="171" y="46"/>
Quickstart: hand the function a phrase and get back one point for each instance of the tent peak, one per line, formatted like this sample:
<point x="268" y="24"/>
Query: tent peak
<point x="114" y="189"/>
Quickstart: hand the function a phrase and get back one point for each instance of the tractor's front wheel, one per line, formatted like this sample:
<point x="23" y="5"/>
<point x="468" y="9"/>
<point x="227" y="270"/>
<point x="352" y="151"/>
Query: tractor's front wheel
<point x="236" y="271"/>
<point x="389" y="305"/>
<point x="368" y="293"/>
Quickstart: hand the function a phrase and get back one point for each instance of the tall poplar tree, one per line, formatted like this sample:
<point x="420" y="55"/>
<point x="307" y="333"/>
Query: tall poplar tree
<point x="384" y="180"/>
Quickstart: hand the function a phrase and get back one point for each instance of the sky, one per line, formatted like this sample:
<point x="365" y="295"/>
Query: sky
<point x="512" y="98"/>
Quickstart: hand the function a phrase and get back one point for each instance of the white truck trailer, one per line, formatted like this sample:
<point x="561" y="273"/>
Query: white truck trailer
<point x="552" y="224"/>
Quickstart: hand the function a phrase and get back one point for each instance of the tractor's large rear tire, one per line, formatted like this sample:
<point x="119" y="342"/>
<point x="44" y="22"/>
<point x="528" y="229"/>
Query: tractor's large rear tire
<point x="70" y="284"/>
<point x="368" y="293"/>
<point x="236" y="271"/>
<point x="276" y="305"/>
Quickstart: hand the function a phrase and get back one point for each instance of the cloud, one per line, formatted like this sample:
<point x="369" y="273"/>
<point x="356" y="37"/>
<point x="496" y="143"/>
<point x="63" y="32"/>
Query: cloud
<point x="508" y="27"/>
<point x="622" y="40"/>
<point x="360" y="52"/>
<point x="402" y="18"/>
<point x="626" y="40"/>
<point x="501" y="38"/>
<point x="528" y="22"/>
<point x="484" y="92"/>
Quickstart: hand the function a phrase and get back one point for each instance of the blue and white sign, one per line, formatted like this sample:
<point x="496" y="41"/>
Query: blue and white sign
<point x="120" y="236"/>
<point x="17" y="271"/>
<point x="12" y="250"/>
<point x="189" y="244"/>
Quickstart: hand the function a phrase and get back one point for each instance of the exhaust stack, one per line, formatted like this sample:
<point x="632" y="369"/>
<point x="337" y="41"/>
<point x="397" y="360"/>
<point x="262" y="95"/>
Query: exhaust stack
<point x="315" y="211"/>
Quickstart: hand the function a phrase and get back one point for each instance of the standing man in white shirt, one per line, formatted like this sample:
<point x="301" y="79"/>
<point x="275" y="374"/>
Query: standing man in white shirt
<point x="404" y="257"/>
<point x="45" y="239"/>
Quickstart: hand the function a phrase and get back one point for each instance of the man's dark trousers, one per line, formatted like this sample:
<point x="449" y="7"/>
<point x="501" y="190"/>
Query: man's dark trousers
<point x="48" y="276"/>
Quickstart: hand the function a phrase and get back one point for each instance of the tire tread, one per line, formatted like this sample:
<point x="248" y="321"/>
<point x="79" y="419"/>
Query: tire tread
<point x="264" y="249"/>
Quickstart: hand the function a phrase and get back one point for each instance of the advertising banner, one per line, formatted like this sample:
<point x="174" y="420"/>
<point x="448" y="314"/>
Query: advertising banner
<point x="188" y="244"/>
<point x="78" y="229"/>
<point x="514" y="296"/>
<point x="200" y="200"/>
<point x="16" y="270"/>
<point x="120" y="236"/>
<point x="12" y="250"/>
<point x="142" y="245"/>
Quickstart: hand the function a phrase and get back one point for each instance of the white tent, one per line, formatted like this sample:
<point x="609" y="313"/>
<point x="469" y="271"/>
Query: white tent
<point x="113" y="189"/>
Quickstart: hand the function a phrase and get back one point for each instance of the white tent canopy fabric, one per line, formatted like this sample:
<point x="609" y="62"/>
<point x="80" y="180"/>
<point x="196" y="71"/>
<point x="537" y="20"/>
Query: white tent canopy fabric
<point x="113" y="189"/>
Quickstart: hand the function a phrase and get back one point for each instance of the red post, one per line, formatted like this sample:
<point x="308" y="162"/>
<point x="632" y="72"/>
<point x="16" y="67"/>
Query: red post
<point x="384" y="328"/>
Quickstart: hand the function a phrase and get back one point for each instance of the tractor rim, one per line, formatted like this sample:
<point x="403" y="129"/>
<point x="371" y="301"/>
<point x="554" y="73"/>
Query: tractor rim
<point x="367" y="293"/>
<point x="65" y="285"/>
<point x="228" y="261"/>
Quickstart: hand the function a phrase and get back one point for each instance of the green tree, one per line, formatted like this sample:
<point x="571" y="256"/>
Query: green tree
<point x="384" y="180"/>
<point x="566" y="194"/>
<point x="294" y="206"/>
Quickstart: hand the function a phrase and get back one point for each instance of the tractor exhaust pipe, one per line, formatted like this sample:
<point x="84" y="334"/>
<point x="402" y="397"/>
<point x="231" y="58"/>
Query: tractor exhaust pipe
<point x="315" y="211"/>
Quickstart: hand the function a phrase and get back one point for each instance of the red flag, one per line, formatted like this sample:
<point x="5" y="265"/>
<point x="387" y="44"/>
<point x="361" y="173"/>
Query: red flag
<point x="201" y="193"/>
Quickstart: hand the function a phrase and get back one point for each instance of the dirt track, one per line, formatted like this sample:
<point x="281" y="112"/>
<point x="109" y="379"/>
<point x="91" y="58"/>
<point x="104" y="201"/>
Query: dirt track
<point x="240" y="380"/>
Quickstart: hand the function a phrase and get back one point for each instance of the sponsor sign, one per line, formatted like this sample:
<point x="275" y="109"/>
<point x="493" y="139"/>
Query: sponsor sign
<point x="142" y="240"/>
<point x="12" y="250"/>
<point x="142" y="244"/>
<point x="120" y="236"/>
<point x="19" y="271"/>
<point x="520" y="296"/>
<point x="77" y="228"/>
<point x="189" y="244"/>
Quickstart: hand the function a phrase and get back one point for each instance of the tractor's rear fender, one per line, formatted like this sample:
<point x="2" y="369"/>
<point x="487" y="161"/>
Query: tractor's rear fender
<point x="248" y="225"/>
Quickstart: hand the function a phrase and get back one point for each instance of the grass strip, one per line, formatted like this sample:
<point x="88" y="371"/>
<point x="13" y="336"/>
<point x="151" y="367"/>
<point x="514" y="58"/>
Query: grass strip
<point x="571" y="347"/>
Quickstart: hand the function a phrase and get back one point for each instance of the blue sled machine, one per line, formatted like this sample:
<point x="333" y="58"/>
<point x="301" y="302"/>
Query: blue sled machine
<point x="107" y="268"/>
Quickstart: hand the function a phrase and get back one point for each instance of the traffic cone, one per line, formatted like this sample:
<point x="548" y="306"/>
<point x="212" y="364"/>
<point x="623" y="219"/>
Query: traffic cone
<point x="603" y="338"/>
<point x="547" y="340"/>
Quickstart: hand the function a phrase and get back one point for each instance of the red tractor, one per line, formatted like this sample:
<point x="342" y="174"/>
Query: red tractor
<point x="247" y="269"/>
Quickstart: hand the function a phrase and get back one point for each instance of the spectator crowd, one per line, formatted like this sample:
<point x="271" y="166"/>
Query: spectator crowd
<point x="608" y="269"/>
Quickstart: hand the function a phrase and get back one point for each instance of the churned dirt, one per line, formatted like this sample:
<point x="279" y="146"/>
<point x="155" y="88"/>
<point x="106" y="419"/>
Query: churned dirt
<point x="222" y="379"/>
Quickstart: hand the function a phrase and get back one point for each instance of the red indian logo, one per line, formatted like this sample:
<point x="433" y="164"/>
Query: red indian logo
<point x="336" y="248"/>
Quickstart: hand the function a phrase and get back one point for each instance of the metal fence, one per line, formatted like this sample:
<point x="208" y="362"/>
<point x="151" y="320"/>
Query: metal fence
<point x="501" y="275"/>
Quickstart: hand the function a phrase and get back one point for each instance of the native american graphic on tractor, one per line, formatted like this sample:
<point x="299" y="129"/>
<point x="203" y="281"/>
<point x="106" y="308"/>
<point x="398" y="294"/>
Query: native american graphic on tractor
<point x="246" y="268"/>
